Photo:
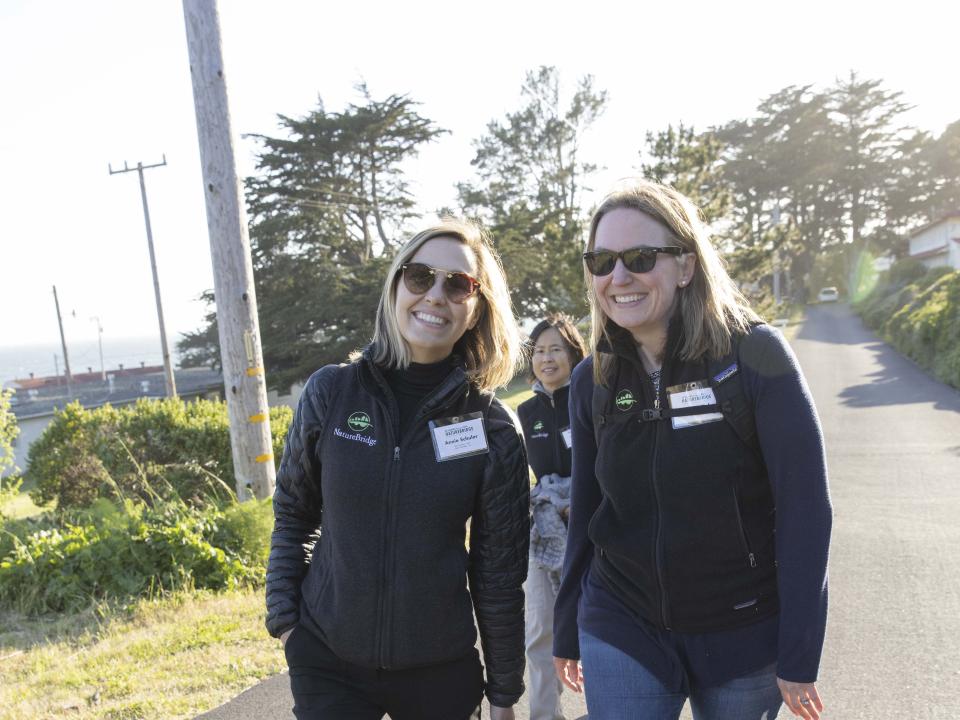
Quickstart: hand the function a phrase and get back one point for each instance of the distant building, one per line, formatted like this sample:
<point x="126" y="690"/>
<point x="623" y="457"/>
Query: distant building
<point x="938" y="243"/>
<point x="36" y="399"/>
<point x="290" y="399"/>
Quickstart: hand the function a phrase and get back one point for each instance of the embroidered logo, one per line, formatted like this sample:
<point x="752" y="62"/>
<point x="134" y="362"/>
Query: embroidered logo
<point x="359" y="422"/>
<point x="720" y="377"/>
<point x="538" y="426"/>
<point x="625" y="400"/>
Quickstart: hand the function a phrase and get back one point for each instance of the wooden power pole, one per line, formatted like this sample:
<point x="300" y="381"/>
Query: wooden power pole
<point x="171" y="383"/>
<point x="236" y="300"/>
<point x="63" y="343"/>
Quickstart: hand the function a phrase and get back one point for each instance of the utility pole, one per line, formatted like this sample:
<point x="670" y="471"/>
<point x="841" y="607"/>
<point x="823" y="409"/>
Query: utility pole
<point x="237" y="321"/>
<point x="167" y="365"/>
<point x="63" y="342"/>
<point x="103" y="372"/>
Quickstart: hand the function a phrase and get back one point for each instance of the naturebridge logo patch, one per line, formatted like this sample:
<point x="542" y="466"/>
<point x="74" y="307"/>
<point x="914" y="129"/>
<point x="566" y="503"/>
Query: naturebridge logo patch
<point x="625" y="400"/>
<point x="360" y="426"/>
<point x="538" y="426"/>
<point x="359" y="422"/>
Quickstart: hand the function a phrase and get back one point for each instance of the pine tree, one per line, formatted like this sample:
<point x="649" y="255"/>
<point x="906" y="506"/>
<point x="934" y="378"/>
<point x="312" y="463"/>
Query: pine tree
<point x="328" y="208"/>
<point x="529" y="188"/>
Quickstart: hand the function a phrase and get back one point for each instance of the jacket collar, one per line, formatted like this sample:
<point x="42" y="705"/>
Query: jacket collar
<point x="453" y="385"/>
<point x="539" y="389"/>
<point x="618" y="341"/>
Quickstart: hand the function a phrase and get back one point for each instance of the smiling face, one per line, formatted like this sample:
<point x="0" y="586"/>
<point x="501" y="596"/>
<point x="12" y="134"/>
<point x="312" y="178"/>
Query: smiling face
<point x="550" y="360"/>
<point x="641" y="303"/>
<point x="429" y="322"/>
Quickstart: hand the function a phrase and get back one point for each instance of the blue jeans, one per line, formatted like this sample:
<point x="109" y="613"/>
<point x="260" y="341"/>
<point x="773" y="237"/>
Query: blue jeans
<point x="620" y="688"/>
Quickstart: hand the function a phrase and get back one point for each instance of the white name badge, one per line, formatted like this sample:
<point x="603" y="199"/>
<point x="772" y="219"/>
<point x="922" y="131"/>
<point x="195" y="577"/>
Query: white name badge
<point x="458" y="436"/>
<point x="567" y="437"/>
<point x="688" y="395"/>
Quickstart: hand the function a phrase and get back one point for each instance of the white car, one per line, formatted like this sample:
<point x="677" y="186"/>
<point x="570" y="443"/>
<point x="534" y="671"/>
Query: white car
<point x="828" y="294"/>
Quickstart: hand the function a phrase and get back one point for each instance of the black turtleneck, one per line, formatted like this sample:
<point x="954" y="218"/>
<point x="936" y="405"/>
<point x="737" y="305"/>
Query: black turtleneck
<point x="414" y="384"/>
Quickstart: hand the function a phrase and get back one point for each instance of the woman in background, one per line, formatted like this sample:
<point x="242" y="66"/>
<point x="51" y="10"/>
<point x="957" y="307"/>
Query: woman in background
<point x="556" y="347"/>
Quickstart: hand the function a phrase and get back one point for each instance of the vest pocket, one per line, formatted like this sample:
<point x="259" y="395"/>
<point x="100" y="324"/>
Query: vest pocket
<point x="744" y="540"/>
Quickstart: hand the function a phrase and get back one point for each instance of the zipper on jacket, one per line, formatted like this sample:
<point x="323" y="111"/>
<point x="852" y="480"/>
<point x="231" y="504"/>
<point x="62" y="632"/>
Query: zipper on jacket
<point x="657" y="545"/>
<point x="389" y="524"/>
<point x="751" y="558"/>
<point x="385" y="562"/>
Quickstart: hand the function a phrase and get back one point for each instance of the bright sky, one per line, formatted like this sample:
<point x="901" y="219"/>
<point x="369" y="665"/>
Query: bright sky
<point x="91" y="83"/>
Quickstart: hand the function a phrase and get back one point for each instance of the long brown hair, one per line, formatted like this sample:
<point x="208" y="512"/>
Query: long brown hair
<point x="710" y="308"/>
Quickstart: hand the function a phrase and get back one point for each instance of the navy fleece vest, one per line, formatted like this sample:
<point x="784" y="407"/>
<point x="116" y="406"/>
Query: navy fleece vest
<point x="695" y="552"/>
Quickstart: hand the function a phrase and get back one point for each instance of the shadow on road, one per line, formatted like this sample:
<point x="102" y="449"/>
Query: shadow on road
<point x="898" y="381"/>
<point x="833" y="323"/>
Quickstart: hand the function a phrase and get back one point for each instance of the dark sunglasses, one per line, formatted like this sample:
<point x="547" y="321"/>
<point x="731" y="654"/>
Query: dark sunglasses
<point x="457" y="286"/>
<point x="637" y="259"/>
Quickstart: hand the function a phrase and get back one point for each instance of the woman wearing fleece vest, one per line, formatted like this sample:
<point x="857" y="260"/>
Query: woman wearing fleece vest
<point x="555" y="349"/>
<point x="695" y="444"/>
<point x="369" y="583"/>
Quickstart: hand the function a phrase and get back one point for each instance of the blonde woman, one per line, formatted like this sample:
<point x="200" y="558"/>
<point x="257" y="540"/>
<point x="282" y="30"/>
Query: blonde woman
<point x="369" y="584"/>
<point x="695" y="439"/>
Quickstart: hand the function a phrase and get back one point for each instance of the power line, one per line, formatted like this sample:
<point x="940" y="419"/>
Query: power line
<point x="167" y="364"/>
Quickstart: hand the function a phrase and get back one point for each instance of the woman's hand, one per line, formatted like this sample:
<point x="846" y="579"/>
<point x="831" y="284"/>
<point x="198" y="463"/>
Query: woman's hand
<point x="283" y="638"/>
<point x="569" y="673"/>
<point x="501" y="713"/>
<point x="801" y="698"/>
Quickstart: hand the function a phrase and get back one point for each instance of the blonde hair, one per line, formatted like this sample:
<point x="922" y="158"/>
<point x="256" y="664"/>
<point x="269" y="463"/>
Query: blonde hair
<point x="491" y="350"/>
<point x="710" y="308"/>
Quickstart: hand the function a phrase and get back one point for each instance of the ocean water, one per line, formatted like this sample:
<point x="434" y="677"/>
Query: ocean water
<point x="20" y="361"/>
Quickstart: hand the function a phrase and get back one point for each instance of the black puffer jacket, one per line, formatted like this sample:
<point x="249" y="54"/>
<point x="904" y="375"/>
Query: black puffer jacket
<point x="368" y="544"/>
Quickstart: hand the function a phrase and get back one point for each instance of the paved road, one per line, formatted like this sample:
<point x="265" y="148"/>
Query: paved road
<point x="271" y="700"/>
<point x="893" y="441"/>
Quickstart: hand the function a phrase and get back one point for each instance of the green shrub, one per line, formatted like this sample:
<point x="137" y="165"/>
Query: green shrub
<point x="243" y="529"/>
<point x="9" y="484"/>
<point x="9" y="488"/>
<point x="112" y="551"/>
<point x="905" y="271"/>
<point x="150" y="449"/>
<point x="927" y="326"/>
<point x="13" y="531"/>
<point x="879" y="306"/>
<point x="933" y="274"/>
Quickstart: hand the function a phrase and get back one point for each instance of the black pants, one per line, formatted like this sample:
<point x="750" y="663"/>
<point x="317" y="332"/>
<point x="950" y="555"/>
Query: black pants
<point x="328" y="688"/>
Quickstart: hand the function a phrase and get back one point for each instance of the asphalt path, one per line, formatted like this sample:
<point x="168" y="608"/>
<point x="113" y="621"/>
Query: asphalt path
<point x="893" y="444"/>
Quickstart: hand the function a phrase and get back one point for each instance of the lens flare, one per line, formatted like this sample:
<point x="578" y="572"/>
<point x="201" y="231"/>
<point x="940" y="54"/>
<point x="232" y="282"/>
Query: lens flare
<point x="863" y="277"/>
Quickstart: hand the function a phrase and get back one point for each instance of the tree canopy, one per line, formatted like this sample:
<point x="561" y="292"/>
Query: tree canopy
<point x="328" y="207"/>
<point x="528" y="191"/>
<point x="816" y="178"/>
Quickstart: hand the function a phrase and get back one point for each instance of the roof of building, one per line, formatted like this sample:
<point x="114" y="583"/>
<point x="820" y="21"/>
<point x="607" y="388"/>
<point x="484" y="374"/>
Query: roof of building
<point x="930" y="253"/>
<point x="41" y="396"/>
<point x="948" y="216"/>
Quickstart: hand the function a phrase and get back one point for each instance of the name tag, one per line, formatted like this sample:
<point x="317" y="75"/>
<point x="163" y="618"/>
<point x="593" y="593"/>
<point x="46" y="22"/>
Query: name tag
<point x="458" y="436"/>
<point x="567" y="436"/>
<point x="688" y="395"/>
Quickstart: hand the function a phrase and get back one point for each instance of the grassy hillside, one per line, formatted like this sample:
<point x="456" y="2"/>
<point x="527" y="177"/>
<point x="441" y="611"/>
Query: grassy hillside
<point x="918" y="312"/>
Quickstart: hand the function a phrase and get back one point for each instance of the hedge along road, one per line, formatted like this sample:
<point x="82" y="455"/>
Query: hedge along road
<point x="893" y="444"/>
